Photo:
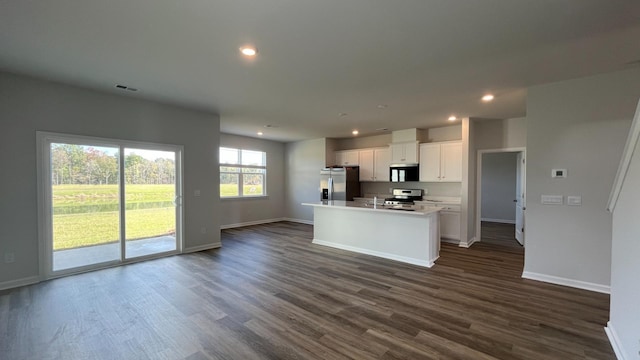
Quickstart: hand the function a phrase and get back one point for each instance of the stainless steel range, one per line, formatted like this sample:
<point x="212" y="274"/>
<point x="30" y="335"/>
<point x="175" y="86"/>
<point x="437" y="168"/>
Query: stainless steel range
<point x="404" y="197"/>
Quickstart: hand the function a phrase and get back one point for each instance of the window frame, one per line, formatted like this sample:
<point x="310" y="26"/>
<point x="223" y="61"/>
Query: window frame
<point x="240" y="173"/>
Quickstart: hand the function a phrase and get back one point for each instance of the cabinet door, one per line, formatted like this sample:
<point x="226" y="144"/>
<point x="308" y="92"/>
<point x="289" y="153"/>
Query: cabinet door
<point x="397" y="153"/>
<point x="411" y="153"/>
<point x="348" y="157"/>
<point x="366" y="165"/>
<point x="404" y="153"/>
<point x="451" y="162"/>
<point x="450" y="225"/>
<point x="429" y="162"/>
<point x="382" y="160"/>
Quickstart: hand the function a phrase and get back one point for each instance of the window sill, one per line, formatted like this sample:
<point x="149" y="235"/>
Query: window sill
<point x="257" y="197"/>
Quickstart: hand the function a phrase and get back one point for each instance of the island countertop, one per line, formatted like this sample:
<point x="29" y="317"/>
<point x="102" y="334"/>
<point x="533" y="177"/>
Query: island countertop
<point x="409" y="236"/>
<point x="414" y="210"/>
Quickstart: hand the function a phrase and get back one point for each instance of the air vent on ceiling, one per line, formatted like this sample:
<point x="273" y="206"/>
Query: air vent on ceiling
<point x="123" y="87"/>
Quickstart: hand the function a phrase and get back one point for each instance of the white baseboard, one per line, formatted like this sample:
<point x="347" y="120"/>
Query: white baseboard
<point x="249" y="223"/>
<point x="404" y="259"/>
<point x="301" y="221"/>
<point x="467" y="244"/>
<point x="606" y="289"/>
<point x="615" y="341"/>
<point x="502" y="221"/>
<point x="201" y="248"/>
<point x="19" y="282"/>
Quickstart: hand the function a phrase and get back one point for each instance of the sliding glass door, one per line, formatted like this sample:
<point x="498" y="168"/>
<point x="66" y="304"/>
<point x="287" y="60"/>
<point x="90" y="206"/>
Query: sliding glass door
<point x="150" y="198"/>
<point x="104" y="202"/>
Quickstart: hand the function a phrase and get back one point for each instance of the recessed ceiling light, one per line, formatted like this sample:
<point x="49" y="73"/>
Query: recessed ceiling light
<point x="487" y="98"/>
<point x="382" y="129"/>
<point x="342" y="114"/>
<point x="452" y="118"/>
<point x="260" y="133"/>
<point x="248" y="51"/>
<point x="355" y="132"/>
<point x="382" y="106"/>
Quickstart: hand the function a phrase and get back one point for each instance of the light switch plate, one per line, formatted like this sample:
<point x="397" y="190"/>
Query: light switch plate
<point x="552" y="199"/>
<point x="196" y="193"/>
<point x="574" y="200"/>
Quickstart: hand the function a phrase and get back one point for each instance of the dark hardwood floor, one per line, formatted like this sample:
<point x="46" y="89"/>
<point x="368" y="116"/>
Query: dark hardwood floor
<point x="269" y="293"/>
<point x="499" y="234"/>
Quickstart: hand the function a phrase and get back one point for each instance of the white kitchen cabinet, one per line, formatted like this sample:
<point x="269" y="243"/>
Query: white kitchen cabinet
<point x="382" y="161"/>
<point x="450" y="224"/>
<point x="404" y="153"/>
<point x="441" y="162"/>
<point x="374" y="164"/>
<point x="347" y="157"/>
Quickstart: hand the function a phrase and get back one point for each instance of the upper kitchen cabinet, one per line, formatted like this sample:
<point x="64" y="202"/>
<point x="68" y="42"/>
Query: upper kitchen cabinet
<point x="347" y="157"/>
<point x="404" y="153"/>
<point x="441" y="162"/>
<point x="374" y="164"/>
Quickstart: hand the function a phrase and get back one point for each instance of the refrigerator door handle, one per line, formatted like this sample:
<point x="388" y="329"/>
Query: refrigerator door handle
<point x="330" y="189"/>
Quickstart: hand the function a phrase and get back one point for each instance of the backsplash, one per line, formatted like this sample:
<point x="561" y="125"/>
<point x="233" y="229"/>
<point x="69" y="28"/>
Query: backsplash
<point x="436" y="189"/>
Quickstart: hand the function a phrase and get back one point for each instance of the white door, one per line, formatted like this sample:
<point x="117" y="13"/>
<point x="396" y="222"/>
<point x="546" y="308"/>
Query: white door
<point x="366" y="165"/>
<point x="104" y="202"/>
<point x="520" y="197"/>
<point x="429" y="163"/>
<point x="382" y="160"/>
<point x="451" y="162"/>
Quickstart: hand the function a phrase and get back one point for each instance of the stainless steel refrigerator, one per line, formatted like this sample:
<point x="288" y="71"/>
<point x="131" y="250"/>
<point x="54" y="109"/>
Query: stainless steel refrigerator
<point x="339" y="183"/>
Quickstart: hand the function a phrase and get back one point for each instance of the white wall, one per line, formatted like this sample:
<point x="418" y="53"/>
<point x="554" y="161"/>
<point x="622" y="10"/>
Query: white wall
<point x="304" y="159"/>
<point x="235" y="212"/>
<point x="362" y="142"/>
<point x="499" y="187"/>
<point x="28" y="105"/>
<point x="444" y="133"/>
<point x="580" y="125"/>
<point x="500" y="134"/>
<point x="624" y="318"/>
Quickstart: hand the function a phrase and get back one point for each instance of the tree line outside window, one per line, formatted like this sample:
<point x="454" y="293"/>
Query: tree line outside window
<point x="242" y="172"/>
<point x="79" y="164"/>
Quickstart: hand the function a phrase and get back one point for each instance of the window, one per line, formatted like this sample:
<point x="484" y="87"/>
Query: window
<point x="242" y="173"/>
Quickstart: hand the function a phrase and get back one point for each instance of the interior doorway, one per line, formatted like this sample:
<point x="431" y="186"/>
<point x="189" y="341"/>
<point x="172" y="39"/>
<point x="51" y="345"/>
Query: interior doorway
<point x="501" y="197"/>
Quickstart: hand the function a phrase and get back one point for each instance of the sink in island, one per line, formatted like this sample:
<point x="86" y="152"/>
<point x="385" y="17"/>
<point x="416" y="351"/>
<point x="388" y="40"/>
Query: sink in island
<point x="407" y="234"/>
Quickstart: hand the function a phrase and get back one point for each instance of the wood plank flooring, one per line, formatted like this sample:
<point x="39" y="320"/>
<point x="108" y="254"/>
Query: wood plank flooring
<point x="499" y="234"/>
<point x="269" y="293"/>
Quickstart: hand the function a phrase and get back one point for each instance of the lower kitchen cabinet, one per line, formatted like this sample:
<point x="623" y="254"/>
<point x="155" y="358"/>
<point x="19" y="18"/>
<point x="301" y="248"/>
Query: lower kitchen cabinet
<point x="450" y="225"/>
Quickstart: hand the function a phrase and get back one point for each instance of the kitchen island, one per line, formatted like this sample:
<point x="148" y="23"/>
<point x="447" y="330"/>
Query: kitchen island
<point x="407" y="234"/>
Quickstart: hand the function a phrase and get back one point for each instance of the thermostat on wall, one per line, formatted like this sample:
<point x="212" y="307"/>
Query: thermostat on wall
<point x="559" y="173"/>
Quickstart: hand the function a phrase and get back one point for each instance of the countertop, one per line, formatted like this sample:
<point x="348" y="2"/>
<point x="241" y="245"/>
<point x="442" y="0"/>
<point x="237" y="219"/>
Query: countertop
<point x="414" y="210"/>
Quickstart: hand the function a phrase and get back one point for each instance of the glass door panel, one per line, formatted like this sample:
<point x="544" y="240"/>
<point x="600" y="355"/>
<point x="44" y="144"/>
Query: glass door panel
<point x="85" y="205"/>
<point x="150" y="202"/>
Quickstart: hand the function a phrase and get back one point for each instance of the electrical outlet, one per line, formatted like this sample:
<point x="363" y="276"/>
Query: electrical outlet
<point x="9" y="257"/>
<point x="196" y="193"/>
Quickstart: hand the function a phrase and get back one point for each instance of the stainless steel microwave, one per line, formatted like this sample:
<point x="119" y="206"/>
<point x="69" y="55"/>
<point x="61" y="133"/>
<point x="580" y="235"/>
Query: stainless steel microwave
<point x="404" y="172"/>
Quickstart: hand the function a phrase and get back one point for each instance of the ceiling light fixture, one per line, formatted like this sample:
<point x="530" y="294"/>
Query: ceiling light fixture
<point x="453" y="118"/>
<point x="249" y="51"/>
<point x="487" y="97"/>
<point x="260" y="133"/>
<point x="383" y="106"/>
<point x="342" y="114"/>
<point x="355" y="132"/>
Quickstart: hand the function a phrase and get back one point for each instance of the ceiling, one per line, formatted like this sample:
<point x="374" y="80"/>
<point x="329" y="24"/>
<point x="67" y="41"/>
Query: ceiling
<point x="423" y="59"/>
